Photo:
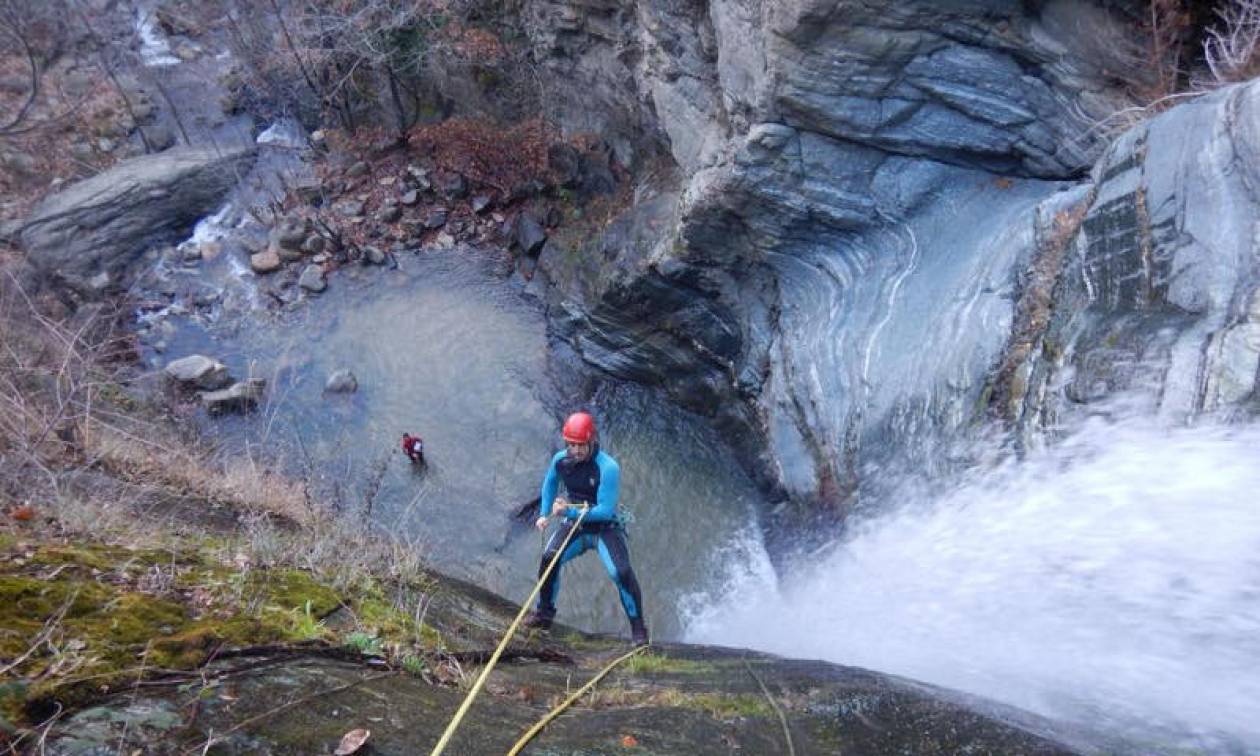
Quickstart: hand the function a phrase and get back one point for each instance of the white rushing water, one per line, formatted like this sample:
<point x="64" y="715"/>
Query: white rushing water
<point x="1113" y="580"/>
<point x="155" y="49"/>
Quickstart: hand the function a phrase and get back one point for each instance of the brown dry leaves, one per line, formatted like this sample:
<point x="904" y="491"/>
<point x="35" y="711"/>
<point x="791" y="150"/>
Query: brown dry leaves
<point x="502" y="157"/>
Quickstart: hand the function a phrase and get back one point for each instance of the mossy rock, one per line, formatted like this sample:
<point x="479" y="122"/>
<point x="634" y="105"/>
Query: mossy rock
<point x="296" y="589"/>
<point x="12" y="704"/>
<point x="100" y="557"/>
<point x="105" y="631"/>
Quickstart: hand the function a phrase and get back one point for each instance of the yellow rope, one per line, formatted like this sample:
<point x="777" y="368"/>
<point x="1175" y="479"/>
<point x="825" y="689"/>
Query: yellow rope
<point x="787" y="732"/>
<point x="481" y="679"/>
<point x="540" y="724"/>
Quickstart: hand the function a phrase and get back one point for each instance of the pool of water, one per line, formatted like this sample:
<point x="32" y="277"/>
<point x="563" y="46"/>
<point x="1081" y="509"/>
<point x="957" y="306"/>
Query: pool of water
<point x="446" y="347"/>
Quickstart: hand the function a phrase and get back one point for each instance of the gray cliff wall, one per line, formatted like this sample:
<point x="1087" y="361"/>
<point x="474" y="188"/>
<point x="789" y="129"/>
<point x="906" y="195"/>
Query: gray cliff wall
<point x="835" y="261"/>
<point x="1158" y="299"/>
<point x="804" y="136"/>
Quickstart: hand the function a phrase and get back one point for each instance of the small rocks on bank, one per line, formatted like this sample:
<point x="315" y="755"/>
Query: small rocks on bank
<point x="288" y="237"/>
<point x="312" y="279"/>
<point x="530" y="234"/>
<point x="436" y="218"/>
<point x="267" y="261"/>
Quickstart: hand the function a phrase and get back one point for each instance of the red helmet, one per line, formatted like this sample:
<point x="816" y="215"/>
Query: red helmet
<point x="579" y="428"/>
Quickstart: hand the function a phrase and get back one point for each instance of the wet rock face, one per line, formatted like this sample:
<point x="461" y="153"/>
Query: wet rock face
<point x="89" y="237"/>
<point x="1160" y="294"/>
<point x="983" y="84"/>
<point x="672" y="699"/>
<point x="973" y="84"/>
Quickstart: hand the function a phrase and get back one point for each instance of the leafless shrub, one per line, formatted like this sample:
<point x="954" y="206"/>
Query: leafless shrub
<point x="1157" y="67"/>
<point x="344" y="549"/>
<point x="58" y="378"/>
<point x="1232" y="46"/>
<point x="346" y="60"/>
<point x="1163" y="40"/>
<point x="391" y="63"/>
<point x="36" y="30"/>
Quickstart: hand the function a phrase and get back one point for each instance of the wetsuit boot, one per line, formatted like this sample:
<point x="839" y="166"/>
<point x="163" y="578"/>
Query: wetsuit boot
<point x="540" y="619"/>
<point x="638" y="631"/>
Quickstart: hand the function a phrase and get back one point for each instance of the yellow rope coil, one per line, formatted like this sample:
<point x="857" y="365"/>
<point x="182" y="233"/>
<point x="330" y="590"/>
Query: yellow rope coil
<point x="481" y="679"/>
<point x="540" y="724"/>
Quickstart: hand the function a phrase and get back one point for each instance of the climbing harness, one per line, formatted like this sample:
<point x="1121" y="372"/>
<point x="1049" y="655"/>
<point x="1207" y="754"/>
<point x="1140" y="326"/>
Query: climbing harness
<point x="494" y="658"/>
<point x="540" y="724"/>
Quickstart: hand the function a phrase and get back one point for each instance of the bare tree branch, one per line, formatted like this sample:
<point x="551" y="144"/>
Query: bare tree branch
<point x="9" y="22"/>
<point x="1232" y="46"/>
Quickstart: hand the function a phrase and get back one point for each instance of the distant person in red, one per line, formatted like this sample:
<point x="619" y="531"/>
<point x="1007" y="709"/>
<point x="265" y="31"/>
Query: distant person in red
<point x="413" y="447"/>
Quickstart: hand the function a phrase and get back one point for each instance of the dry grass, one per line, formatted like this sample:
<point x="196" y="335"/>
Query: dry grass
<point x="96" y="456"/>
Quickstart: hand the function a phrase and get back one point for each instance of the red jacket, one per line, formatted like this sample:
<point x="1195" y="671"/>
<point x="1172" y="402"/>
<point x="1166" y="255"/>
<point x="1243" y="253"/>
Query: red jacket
<point x="412" y="445"/>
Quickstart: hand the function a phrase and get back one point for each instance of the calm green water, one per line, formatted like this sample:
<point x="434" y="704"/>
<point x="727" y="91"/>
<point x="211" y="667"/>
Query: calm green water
<point x="447" y="348"/>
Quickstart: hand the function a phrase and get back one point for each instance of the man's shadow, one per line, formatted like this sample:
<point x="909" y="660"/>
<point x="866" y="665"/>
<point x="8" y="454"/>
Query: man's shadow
<point x="521" y="521"/>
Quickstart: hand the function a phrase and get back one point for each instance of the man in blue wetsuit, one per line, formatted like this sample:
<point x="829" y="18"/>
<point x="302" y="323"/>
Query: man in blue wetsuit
<point x="591" y="478"/>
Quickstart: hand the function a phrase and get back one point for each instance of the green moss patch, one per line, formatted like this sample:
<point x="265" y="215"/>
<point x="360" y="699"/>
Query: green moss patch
<point x="720" y="706"/>
<point x="289" y="589"/>
<point x="724" y="707"/>
<point x="95" y="616"/>
<point x="379" y="616"/>
<point x="656" y="664"/>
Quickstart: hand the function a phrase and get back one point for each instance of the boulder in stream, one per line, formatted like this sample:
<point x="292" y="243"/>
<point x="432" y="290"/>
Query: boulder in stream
<point x="198" y="371"/>
<point x="242" y="396"/>
<point x="342" y="382"/>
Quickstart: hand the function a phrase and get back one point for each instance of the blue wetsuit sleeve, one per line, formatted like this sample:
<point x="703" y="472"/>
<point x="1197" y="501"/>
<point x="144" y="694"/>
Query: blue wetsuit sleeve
<point x="605" y="508"/>
<point x="550" y="486"/>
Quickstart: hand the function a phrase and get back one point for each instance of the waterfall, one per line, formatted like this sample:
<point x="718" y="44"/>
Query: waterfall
<point x="1112" y="579"/>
